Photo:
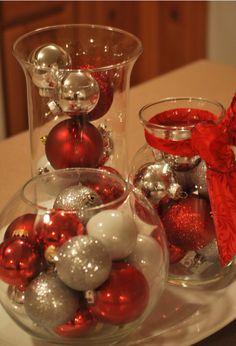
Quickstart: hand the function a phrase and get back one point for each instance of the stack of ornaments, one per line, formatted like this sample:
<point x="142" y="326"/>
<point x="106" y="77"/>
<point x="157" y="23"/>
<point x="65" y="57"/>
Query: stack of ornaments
<point x="176" y="187"/>
<point x="75" y="91"/>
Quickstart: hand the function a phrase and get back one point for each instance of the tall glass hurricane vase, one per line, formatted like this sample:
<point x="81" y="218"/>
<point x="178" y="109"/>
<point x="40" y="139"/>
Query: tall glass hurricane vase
<point x="78" y="80"/>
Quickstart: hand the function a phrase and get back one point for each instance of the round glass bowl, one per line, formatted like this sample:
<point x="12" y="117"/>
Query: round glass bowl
<point x="83" y="258"/>
<point x="173" y="178"/>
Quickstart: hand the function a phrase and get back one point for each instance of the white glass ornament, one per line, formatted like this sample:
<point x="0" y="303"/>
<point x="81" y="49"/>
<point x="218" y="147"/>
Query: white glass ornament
<point x="116" y="230"/>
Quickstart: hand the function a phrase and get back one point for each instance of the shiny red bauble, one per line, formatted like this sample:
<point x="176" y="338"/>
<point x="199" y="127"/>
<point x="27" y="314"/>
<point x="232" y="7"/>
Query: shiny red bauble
<point x="106" y="93"/>
<point x="188" y="223"/>
<point x="58" y="227"/>
<point x="82" y="324"/>
<point x="74" y="143"/>
<point x="22" y="226"/>
<point x="20" y="261"/>
<point x="123" y="297"/>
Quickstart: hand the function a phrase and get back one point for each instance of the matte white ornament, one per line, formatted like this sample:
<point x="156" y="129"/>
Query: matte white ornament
<point x="116" y="230"/>
<point x="148" y="257"/>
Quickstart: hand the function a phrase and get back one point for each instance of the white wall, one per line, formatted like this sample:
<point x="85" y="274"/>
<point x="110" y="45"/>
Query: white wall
<point x="222" y="32"/>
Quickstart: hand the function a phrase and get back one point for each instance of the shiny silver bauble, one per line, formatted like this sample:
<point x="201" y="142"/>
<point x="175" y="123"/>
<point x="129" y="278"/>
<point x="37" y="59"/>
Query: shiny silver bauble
<point x="48" y="61"/>
<point x="78" y="92"/>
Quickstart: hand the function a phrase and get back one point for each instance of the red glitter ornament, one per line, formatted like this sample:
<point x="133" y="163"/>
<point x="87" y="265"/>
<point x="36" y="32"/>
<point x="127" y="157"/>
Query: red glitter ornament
<point x="74" y="143"/>
<point x="22" y="226"/>
<point x="106" y="93"/>
<point x="20" y="261"/>
<point x="58" y="227"/>
<point x="123" y="297"/>
<point x="188" y="223"/>
<point x="82" y="324"/>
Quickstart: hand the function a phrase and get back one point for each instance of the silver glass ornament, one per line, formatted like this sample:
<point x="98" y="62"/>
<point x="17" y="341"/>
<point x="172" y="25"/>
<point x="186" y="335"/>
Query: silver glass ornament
<point x="79" y="198"/>
<point x="156" y="180"/>
<point x="47" y="62"/>
<point x="49" y="302"/>
<point x="78" y="92"/>
<point x="83" y="263"/>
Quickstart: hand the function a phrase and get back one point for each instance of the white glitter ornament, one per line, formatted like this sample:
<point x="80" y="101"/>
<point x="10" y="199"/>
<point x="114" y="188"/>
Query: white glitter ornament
<point x="79" y="198"/>
<point x="148" y="257"/>
<point x="78" y="92"/>
<point x="116" y="230"/>
<point x="47" y="61"/>
<point x="49" y="302"/>
<point x="84" y="263"/>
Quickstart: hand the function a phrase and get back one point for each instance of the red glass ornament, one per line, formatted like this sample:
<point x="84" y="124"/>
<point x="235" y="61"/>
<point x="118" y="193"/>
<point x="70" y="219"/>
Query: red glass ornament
<point x="74" y="143"/>
<point x="123" y="297"/>
<point x="58" y="227"/>
<point x="20" y="261"/>
<point x="82" y="324"/>
<point x="22" y="226"/>
<point x="106" y="93"/>
<point x="188" y="223"/>
<point x="107" y="190"/>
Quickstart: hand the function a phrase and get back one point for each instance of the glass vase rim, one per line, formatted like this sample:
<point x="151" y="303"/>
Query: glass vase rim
<point x="138" y="51"/>
<point x="147" y="123"/>
<point x="122" y="198"/>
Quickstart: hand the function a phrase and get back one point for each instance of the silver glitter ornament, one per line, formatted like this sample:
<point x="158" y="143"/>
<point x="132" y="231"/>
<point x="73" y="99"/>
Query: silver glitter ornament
<point x="47" y="61"/>
<point x="78" y="92"/>
<point x="83" y="263"/>
<point x="49" y="302"/>
<point x="79" y="198"/>
<point x="156" y="180"/>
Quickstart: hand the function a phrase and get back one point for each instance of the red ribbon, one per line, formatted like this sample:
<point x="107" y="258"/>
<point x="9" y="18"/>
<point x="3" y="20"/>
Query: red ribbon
<point x="212" y="142"/>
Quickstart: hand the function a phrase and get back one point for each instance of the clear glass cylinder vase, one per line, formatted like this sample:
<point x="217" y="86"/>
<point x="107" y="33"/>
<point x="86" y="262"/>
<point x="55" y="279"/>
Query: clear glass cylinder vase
<point x="78" y="80"/>
<point x="173" y="176"/>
